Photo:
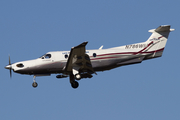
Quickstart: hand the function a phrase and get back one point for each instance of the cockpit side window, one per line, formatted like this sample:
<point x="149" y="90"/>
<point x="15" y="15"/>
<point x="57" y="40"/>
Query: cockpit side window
<point x="48" y="56"/>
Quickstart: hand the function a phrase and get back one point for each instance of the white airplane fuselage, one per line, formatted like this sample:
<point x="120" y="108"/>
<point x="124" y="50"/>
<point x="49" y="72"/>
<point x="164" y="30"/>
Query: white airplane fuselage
<point x="81" y="63"/>
<point x="101" y="60"/>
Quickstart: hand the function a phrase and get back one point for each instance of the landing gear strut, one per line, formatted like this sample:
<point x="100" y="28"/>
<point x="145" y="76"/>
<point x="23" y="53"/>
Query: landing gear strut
<point x="34" y="84"/>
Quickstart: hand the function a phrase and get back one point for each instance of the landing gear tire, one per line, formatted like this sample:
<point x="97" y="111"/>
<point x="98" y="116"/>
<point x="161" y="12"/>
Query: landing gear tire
<point x="75" y="84"/>
<point x="34" y="84"/>
<point x="77" y="76"/>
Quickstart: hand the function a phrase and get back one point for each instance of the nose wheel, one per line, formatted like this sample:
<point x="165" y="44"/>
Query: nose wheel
<point x="34" y="84"/>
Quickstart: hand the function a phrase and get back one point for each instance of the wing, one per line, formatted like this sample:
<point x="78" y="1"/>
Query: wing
<point x="79" y="61"/>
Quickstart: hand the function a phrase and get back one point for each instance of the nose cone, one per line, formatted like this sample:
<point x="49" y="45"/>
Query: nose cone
<point x="8" y="67"/>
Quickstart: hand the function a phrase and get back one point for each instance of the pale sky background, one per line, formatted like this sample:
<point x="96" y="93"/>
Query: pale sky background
<point x="146" y="91"/>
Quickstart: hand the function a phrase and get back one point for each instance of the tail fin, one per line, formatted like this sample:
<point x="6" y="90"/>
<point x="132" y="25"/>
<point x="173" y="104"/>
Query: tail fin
<point x="158" y="40"/>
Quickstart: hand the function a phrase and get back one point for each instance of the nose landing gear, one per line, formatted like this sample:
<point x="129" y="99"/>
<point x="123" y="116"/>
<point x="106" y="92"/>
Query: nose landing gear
<point x="34" y="84"/>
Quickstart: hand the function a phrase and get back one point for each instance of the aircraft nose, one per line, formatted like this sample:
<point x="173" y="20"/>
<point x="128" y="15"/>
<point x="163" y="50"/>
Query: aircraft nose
<point x="8" y="67"/>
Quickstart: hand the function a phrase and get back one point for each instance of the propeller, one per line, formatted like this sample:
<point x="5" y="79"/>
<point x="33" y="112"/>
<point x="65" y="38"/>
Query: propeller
<point x="9" y="67"/>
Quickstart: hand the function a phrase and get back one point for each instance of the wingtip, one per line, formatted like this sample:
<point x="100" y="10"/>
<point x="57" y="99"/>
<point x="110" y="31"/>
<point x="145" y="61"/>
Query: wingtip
<point x="86" y="42"/>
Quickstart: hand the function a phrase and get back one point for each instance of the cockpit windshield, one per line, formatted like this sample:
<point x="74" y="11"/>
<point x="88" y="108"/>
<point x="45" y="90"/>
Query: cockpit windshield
<point x="46" y="56"/>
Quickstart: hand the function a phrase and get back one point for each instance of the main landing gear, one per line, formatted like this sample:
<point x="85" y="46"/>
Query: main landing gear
<point x="72" y="78"/>
<point x="78" y="76"/>
<point x="34" y="84"/>
<point x="74" y="83"/>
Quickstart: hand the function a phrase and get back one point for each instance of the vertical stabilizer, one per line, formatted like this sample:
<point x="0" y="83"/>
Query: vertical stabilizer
<point x="158" y="39"/>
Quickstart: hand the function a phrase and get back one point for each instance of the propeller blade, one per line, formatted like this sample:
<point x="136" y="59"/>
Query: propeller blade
<point x="10" y="67"/>
<point x="10" y="73"/>
<point x="9" y="60"/>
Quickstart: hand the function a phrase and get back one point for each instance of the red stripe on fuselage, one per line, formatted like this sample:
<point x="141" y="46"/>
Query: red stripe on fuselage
<point x="144" y="48"/>
<point x="104" y="56"/>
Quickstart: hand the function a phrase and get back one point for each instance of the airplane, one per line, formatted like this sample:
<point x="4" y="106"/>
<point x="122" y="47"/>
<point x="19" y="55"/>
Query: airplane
<point x="79" y="63"/>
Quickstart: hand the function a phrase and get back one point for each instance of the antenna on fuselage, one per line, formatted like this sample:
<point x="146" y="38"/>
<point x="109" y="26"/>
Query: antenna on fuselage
<point x="101" y="47"/>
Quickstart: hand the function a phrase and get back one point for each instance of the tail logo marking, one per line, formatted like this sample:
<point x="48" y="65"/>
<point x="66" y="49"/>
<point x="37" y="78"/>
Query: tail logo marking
<point x="156" y="38"/>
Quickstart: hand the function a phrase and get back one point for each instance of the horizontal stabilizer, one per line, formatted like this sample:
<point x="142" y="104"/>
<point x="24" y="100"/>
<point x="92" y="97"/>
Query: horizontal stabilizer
<point x="163" y="28"/>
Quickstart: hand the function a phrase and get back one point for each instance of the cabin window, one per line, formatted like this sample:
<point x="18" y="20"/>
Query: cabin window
<point x="66" y="56"/>
<point x="94" y="54"/>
